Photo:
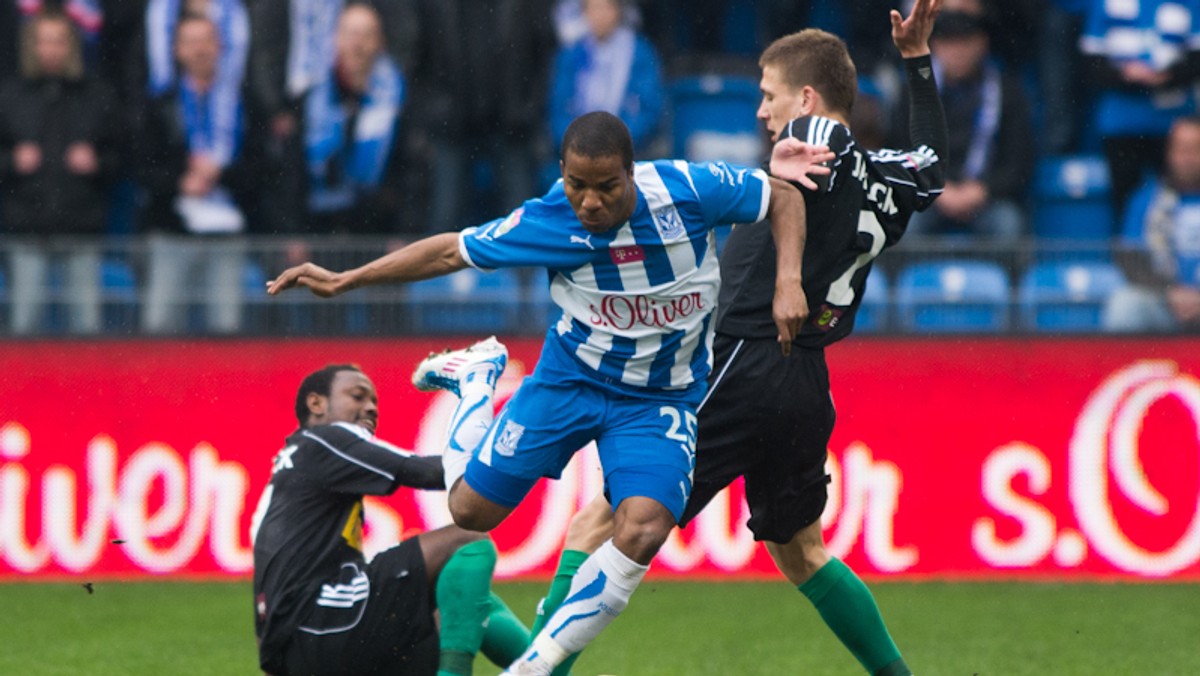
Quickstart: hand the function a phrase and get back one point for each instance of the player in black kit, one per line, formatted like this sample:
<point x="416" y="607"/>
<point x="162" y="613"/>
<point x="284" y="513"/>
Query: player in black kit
<point x="769" y="416"/>
<point x="320" y="607"/>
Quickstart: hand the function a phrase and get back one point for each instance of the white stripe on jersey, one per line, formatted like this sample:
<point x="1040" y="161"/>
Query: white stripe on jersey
<point x="344" y="595"/>
<point x="841" y="291"/>
<point x="331" y="448"/>
<point x="679" y="251"/>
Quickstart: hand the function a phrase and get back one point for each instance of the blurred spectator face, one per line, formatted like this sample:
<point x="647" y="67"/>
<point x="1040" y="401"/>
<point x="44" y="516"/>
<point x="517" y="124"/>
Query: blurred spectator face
<point x="603" y="17"/>
<point x="960" y="44"/>
<point x="1183" y="155"/>
<point x="197" y="48"/>
<point x="53" y="43"/>
<point x="359" y="39"/>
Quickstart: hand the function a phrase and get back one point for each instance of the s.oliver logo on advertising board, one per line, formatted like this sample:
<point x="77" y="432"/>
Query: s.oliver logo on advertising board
<point x="967" y="458"/>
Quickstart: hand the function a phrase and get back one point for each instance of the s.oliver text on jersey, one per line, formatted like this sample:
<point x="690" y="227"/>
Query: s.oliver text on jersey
<point x="624" y="312"/>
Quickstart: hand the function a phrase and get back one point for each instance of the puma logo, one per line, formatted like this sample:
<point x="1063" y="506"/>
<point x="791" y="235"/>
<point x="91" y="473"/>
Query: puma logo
<point x="576" y="239"/>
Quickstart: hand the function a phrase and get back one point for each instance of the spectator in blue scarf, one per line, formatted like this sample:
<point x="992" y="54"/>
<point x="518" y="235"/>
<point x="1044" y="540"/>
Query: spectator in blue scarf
<point x="611" y="68"/>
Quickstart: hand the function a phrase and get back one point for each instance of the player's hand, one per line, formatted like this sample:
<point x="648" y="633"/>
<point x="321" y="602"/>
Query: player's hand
<point x="790" y="311"/>
<point x="911" y="35"/>
<point x="794" y="160"/>
<point x="317" y="279"/>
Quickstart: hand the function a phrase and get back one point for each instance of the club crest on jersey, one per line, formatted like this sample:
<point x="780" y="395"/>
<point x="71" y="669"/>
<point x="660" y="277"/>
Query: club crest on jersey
<point x="627" y="254"/>
<point x="669" y="223"/>
<point x="506" y="443"/>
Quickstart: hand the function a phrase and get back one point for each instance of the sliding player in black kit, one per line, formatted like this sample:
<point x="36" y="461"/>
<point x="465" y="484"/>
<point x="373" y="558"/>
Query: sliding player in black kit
<point x="768" y="415"/>
<point x="320" y="607"/>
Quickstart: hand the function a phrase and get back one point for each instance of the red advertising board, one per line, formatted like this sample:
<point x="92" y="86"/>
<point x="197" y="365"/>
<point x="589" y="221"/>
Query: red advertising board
<point x="952" y="458"/>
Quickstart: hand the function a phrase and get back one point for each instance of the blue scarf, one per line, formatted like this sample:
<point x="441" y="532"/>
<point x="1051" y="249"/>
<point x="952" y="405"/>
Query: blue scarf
<point x="233" y="27"/>
<point x="361" y="163"/>
<point x="205" y="125"/>
<point x="310" y="46"/>
<point x="987" y="120"/>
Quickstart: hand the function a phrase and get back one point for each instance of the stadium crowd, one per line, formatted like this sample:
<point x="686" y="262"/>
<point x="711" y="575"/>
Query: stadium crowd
<point x="159" y="159"/>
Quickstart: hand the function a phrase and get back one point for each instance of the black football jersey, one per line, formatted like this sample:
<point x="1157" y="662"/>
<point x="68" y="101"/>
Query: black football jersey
<point x="859" y="209"/>
<point x="307" y="528"/>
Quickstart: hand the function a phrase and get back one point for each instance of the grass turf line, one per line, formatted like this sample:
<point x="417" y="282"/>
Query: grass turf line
<point x="670" y="628"/>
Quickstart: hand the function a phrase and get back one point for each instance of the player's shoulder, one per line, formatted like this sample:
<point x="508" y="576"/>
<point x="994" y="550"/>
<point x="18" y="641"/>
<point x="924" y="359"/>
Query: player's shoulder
<point x="820" y="131"/>
<point x="333" y="435"/>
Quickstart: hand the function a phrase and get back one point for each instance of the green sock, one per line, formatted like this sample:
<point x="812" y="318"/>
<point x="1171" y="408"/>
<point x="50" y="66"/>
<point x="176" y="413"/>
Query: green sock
<point x="506" y="636"/>
<point x="463" y="599"/>
<point x="568" y="563"/>
<point x="847" y="606"/>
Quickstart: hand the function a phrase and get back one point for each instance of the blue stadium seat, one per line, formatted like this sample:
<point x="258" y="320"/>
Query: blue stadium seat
<point x="713" y="118"/>
<point x="953" y="296"/>
<point x="119" y="295"/>
<point x="874" y="313"/>
<point x="1071" y="198"/>
<point x="467" y="302"/>
<point x="1066" y="297"/>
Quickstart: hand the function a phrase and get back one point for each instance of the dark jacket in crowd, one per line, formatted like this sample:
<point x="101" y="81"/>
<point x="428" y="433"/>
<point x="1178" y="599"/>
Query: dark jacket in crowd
<point x="162" y="152"/>
<point x="482" y="66"/>
<point x="55" y="113"/>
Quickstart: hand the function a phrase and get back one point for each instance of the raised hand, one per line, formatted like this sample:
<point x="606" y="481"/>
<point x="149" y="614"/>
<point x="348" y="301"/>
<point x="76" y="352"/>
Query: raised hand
<point x="795" y="160"/>
<point x="911" y="35"/>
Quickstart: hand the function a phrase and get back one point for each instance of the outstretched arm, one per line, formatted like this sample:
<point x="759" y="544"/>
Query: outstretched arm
<point x="788" y="227"/>
<point x="424" y="259"/>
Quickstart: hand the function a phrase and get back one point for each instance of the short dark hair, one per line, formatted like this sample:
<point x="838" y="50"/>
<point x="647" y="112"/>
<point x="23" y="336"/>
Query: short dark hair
<point x="598" y="134"/>
<point x="320" y="382"/>
<point x="818" y="59"/>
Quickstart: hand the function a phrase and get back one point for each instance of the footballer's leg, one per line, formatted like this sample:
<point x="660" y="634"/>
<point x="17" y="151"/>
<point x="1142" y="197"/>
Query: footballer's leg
<point x="471" y="374"/>
<point x="842" y="599"/>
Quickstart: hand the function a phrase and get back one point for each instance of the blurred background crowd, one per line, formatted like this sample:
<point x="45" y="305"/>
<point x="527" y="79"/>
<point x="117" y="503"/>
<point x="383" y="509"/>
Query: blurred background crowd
<point x="159" y="159"/>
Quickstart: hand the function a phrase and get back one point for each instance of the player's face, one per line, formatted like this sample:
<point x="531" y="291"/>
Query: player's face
<point x="780" y="102"/>
<point x="351" y="399"/>
<point x="600" y="190"/>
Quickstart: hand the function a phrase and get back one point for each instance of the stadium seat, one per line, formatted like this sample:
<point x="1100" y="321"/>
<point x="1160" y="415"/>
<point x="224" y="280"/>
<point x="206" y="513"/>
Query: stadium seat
<point x="119" y="296"/>
<point x="1071" y="198"/>
<point x="467" y="302"/>
<point x="713" y="118"/>
<point x="1066" y="297"/>
<point x="874" y="313"/>
<point x="953" y="296"/>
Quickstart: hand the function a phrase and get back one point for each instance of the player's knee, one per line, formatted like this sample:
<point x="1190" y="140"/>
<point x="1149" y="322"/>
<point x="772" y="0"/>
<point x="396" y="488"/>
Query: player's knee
<point x="642" y="526"/>
<point x="473" y="512"/>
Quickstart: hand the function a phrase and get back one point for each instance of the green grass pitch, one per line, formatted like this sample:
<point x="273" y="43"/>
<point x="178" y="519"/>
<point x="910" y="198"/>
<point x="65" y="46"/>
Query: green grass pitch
<point x="670" y="628"/>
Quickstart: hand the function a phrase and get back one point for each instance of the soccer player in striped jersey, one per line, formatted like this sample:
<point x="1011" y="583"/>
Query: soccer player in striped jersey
<point x="632" y="263"/>
<point x="768" y="417"/>
<point x="320" y="608"/>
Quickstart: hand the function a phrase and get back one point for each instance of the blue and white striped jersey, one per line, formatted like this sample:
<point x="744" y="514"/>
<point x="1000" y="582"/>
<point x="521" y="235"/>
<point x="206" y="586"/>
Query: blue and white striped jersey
<point x="637" y="300"/>
<point x="1158" y="33"/>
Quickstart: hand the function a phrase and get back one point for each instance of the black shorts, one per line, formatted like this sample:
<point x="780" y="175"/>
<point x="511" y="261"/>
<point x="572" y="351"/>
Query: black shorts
<point x="396" y="633"/>
<point x="768" y="418"/>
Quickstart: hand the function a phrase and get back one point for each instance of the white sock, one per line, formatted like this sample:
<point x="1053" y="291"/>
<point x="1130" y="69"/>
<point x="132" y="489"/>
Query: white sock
<point x="599" y="592"/>
<point x="470" y="422"/>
